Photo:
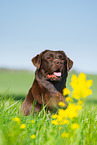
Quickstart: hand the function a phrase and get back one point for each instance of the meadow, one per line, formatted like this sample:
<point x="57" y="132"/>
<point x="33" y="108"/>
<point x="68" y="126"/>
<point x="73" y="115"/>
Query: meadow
<point x="16" y="129"/>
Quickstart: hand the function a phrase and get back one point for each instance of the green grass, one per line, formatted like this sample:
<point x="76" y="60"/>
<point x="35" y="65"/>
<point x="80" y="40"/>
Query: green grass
<point x="13" y="87"/>
<point x="15" y="82"/>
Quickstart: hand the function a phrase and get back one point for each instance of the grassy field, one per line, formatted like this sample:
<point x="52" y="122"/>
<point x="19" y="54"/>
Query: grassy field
<point x="39" y="130"/>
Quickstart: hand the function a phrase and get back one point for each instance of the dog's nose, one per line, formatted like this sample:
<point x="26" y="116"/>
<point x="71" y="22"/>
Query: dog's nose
<point x="58" y="62"/>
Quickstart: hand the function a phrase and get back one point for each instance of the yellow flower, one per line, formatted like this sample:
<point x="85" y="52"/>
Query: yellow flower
<point x="79" y="107"/>
<point x="74" y="81"/>
<point x="73" y="114"/>
<point x="66" y="92"/>
<point x="23" y="126"/>
<point x="71" y="106"/>
<point x="82" y="76"/>
<point x="69" y="99"/>
<point x="54" y="116"/>
<point x="89" y="83"/>
<point x="33" y="136"/>
<point x="74" y="78"/>
<point x="65" y="135"/>
<point x="32" y="121"/>
<point x="61" y="112"/>
<point x="61" y="104"/>
<point x="75" y="126"/>
<point x="72" y="111"/>
<point x="65" y="121"/>
<point x="54" y="122"/>
<point x="16" y="119"/>
<point x="88" y="92"/>
<point x="81" y="87"/>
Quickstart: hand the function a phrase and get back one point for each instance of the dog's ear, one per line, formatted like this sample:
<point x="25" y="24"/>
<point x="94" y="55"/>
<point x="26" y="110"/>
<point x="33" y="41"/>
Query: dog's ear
<point x="69" y="63"/>
<point x="37" y="59"/>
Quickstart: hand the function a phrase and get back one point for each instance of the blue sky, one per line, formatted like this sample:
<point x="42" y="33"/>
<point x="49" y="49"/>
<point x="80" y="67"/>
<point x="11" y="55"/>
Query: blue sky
<point x="29" y="27"/>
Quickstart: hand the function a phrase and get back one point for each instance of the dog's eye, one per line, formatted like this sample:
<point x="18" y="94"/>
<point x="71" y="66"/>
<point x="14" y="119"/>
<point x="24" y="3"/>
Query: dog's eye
<point x="49" y="57"/>
<point x="61" y="57"/>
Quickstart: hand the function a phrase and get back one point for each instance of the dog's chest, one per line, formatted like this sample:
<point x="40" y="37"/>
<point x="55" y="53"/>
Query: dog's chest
<point x="59" y="85"/>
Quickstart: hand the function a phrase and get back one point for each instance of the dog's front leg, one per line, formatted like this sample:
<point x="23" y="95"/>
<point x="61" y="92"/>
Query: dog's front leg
<point x="27" y="104"/>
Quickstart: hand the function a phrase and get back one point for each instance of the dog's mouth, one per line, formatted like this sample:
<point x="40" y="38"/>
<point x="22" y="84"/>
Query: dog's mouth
<point x="55" y="75"/>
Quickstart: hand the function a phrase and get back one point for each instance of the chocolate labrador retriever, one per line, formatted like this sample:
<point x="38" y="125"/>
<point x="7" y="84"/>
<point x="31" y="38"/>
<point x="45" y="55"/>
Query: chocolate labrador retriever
<point x="50" y="79"/>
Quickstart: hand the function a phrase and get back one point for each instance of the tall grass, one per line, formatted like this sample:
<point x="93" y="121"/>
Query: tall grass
<point x="45" y="132"/>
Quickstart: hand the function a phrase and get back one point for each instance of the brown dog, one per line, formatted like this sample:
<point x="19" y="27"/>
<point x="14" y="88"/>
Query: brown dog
<point x="50" y="79"/>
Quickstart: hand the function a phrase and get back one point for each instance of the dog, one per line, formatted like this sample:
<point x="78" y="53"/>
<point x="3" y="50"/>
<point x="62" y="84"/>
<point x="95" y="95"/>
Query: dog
<point x="50" y="79"/>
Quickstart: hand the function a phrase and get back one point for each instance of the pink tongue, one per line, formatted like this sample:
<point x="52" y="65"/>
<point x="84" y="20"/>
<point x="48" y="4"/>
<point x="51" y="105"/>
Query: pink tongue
<point x="57" y="74"/>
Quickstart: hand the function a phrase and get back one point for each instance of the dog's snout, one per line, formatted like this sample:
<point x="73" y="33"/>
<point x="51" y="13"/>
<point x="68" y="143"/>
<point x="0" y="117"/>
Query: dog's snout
<point x="58" y="62"/>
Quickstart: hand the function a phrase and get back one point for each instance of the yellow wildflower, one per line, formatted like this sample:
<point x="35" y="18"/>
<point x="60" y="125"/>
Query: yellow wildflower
<point x="54" y="122"/>
<point x="72" y="111"/>
<point x="69" y="99"/>
<point x="81" y="87"/>
<point x="23" y="126"/>
<point x="71" y="106"/>
<point x="68" y="113"/>
<point x="89" y="83"/>
<point x="66" y="92"/>
<point x="33" y="136"/>
<point x="32" y="121"/>
<point x="61" y="104"/>
<point x="65" y="121"/>
<point x="54" y="116"/>
<point x="82" y="77"/>
<point x="74" y="107"/>
<point x="79" y="107"/>
<point x="88" y="92"/>
<point x="75" y="126"/>
<point x="16" y="119"/>
<point x="65" y="135"/>
<point x="73" y="81"/>
<point x="73" y="114"/>
<point x="61" y="112"/>
<point x="74" y="78"/>
<point x="59" y="118"/>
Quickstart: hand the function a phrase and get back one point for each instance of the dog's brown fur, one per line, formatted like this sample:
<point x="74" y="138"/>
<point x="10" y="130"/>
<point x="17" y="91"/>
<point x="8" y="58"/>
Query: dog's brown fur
<point x="48" y="84"/>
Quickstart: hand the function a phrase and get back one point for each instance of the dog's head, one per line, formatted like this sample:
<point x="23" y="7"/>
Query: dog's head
<point x="53" y="63"/>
